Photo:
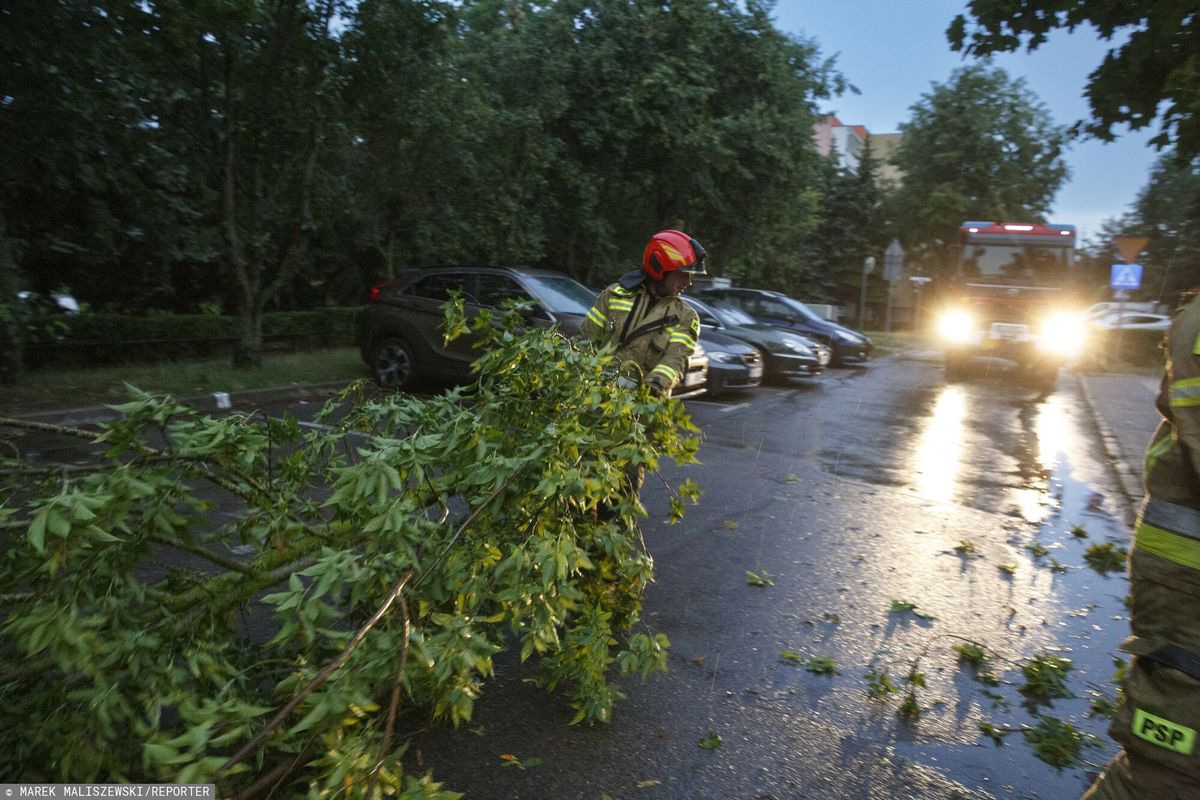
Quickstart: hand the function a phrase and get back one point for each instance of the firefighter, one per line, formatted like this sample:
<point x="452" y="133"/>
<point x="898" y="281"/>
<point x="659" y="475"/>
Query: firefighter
<point x="642" y="316"/>
<point x="1159" y="721"/>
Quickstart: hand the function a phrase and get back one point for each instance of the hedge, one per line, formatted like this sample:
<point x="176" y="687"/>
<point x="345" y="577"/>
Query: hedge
<point x="96" y="339"/>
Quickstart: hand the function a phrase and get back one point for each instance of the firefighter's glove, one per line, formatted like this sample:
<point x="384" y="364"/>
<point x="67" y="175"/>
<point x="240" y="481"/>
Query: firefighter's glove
<point x="626" y="383"/>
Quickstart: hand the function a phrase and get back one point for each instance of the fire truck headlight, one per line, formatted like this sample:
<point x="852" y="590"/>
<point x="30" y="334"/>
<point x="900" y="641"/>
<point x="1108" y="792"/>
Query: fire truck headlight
<point x="955" y="326"/>
<point x="1063" y="333"/>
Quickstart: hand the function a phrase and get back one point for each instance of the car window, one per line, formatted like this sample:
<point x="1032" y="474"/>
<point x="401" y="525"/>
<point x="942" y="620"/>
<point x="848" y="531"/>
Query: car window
<point x="561" y="294"/>
<point x="707" y="315"/>
<point x="493" y="290"/>
<point x="731" y="315"/>
<point x="438" y="287"/>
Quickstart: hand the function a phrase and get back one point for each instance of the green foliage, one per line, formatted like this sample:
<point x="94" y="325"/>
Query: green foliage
<point x="992" y="732"/>
<point x="441" y="530"/>
<point x="904" y="607"/>
<point x="712" y="741"/>
<point x="1148" y="73"/>
<point x="1037" y="550"/>
<point x="880" y="685"/>
<point x="1105" y="557"/>
<point x="276" y="156"/>
<point x="971" y="653"/>
<point x="1079" y="532"/>
<point x="761" y="579"/>
<point x="1058" y="743"/>
<point x="979" y="146"/>
<point x="821" y="665"/>
<point x="965" y="548"/>
<point x="1046" y="677"/>
<point x="909" y="709"/>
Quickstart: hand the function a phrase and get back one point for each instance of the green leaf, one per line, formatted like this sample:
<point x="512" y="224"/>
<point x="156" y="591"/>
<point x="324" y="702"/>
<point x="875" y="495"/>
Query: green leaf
<point x="712" y="741"/>
<point x="760" y="579"/>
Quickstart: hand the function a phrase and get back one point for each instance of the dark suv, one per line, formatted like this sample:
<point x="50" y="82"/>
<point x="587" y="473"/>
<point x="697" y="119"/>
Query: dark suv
<point x="781" y="311"/>
<point x="400" y="334"/>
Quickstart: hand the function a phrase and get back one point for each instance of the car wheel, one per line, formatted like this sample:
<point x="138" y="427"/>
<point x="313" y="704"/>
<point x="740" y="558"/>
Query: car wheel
<point x="394" y="365"/>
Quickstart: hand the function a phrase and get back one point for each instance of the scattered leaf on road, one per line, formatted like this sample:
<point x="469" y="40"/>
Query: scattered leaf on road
<point x="761" y="578"/>
<point x="712" y="741"/>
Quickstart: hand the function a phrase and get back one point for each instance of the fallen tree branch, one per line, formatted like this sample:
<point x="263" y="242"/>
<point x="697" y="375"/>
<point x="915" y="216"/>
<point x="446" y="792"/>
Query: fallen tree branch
<point x="316" y="682"/>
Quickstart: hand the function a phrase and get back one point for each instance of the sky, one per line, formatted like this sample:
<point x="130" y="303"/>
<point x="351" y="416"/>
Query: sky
<point x="894" y="50"/>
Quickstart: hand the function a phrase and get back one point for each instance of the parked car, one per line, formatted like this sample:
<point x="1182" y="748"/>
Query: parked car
<point x="781" y="311"/>
<point x="400" y="336"/>
<point x="1134" y="321"/>
<point x="695" y="380"/>
<point x="399" y="330"/>
<point x="733" y="365"/>
<point x="785" y="355"/>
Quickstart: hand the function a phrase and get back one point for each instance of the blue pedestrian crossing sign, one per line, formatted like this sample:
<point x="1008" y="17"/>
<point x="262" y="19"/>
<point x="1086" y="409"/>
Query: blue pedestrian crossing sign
<point x="1126" y="276"/>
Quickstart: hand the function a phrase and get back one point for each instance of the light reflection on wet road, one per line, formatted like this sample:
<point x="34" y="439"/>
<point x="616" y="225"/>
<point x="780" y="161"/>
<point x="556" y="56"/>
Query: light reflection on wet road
<point x="856" y="489"/>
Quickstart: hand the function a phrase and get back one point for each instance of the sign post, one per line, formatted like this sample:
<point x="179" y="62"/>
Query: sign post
<point x="1125" y="278"/>
<point x="893" y="263"/>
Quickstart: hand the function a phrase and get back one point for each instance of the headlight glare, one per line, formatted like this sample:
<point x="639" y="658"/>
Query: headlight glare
<point x="1062" y="333"/>
<point x="955" y="326"/>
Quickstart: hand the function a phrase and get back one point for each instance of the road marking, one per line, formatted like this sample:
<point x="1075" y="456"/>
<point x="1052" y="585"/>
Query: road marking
<point x="734" y="408"/>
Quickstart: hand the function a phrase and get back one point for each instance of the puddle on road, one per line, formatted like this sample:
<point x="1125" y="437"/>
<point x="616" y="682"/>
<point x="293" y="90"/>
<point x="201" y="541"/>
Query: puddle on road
<point x="1055" y="494"/>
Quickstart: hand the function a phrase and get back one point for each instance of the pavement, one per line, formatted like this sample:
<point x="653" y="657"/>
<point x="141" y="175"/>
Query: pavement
<point x="1124" y="411"/>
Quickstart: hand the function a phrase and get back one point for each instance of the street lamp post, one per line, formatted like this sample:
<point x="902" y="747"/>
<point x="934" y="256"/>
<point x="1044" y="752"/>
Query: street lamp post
<point x="868" y="268"/>
<point x="893" y="263"/>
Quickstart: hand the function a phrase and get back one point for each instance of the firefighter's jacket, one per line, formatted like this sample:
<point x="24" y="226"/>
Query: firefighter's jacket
<point x="657" y="334"/>
<point x="1168" y="526"/>
<point x="1160" y="718"/>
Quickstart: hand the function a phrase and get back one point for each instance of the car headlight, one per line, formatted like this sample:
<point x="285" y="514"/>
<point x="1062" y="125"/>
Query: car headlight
<point x="848" y="337"/>
<point x="955" y="326"/>
<point x="722" y="357"/>
<point x="1062" y="333"/>
<point x="797" y="346"/>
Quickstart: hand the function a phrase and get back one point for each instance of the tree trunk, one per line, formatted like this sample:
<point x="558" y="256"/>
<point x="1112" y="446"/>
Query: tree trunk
<point x="12" y="334"/>
<point x="247" y="353"/>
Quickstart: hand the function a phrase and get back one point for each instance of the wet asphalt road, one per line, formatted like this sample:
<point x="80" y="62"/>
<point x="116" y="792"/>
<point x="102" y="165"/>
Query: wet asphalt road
<point x="850" y="491"/>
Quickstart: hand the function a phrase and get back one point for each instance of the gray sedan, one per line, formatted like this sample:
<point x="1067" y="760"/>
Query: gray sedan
<point x="785" y="355"/>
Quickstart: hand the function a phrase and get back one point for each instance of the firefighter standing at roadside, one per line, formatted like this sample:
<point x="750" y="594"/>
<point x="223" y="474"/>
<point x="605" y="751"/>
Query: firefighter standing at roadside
<point x="643" y="316"/>
<point x="1159" y="721"/>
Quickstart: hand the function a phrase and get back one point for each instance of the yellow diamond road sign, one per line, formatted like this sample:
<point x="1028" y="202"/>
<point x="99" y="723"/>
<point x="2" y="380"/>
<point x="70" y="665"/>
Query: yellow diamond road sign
<point x="1130" y="246"/>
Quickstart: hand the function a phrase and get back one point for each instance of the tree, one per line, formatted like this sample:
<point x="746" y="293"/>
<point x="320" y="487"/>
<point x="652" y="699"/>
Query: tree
<point x="87" y="187"/>
<point x="980" y="146"/>
<point x="257" y="118"/>
<point x="850" y="228"/>
<point x="1152" y="75"/>
<point x="1168" y="212"/>
<point x="397" y="549"/>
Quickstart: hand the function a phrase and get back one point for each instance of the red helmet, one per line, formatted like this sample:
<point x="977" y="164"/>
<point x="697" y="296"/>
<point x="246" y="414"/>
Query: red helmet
<point x="671" y="250"/>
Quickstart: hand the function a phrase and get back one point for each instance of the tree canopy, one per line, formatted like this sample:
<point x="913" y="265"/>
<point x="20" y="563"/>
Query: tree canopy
<point x="980" y="146"/>
<point x="1152" y="74"/>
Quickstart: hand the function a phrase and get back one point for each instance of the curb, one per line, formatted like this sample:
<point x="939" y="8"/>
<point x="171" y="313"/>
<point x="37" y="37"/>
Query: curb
<point x="1127" y="480"/>
<point x="203" y="403"/>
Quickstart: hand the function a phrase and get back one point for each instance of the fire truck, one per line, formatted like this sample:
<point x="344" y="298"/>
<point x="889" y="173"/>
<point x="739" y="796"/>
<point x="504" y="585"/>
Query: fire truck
<point x="1013" y="297"/>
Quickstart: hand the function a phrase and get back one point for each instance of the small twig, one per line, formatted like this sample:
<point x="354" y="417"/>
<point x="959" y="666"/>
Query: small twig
<point x="29" y="425"/>
<point x="275" y="777"/>
<point x="316" y="682"/>
<point x="196" y="550"/>
<point x="397" y="688"/>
